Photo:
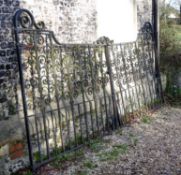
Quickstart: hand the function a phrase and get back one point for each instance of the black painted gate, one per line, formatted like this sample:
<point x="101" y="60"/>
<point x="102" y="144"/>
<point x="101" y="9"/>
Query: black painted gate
<point x="74" y="92"/>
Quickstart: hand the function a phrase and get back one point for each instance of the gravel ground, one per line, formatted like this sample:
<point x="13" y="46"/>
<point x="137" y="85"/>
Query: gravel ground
<point x="149" y="146"/>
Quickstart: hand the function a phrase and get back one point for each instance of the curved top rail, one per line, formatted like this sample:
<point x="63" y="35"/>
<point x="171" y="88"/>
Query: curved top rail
<point x="23" y="19"/>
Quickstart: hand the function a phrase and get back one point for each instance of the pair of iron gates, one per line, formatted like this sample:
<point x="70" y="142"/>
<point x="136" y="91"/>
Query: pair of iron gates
<point x="74" y="92"/>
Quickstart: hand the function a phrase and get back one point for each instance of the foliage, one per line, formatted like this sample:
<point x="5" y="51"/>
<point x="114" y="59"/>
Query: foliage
<point x="169" y="38"/>
<point x="146" y="119"/>
<point x="96" y="145"/>
<point x="134" y="139"/>
<point x="82" y="172"/>
<point x="114" y="153"/>
<point x="23" y="173"/>
<point x="89" y="164"/>
<point x="58" y="163"/>
<point x="170" y="49"/>
<point x="168" y="42"/>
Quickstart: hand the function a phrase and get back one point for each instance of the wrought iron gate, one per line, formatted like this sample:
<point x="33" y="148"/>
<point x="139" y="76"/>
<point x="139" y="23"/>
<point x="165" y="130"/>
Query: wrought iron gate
<point x="74" y="92"/>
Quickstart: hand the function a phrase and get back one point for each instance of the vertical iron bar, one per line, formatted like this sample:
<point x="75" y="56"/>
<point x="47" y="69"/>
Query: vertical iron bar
<point x="145" y="67"/>
<point x="57" y="95"/>
<point x="103" y="83"/>
<point x="25" y="110"/>
<point x="72" y="98"/>
<point x="115" y="110"/>
<point x="126" y="76"/>
<point x="93" y="81"/>
<point x="82" y="90"/>
<point x="91" y="117"/>
<point x="139" y="69"/>
<point x="119" y="80"/>
<point x="134" y="78"/>
<point x="68" y="126"/>
<point x="80" y="121"/>
<point x="151" y="55"/>
<point x="34" y="106"/>
<point x="47" y="67"/>
<point x="101" y="113"/>
<point x="40" y="88"/>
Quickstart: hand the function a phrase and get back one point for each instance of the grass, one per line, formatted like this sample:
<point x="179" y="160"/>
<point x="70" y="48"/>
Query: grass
<point x="37" y="157"/>
<point x="59" y="162"/>
<point x="23" y="173"/>
<point x="89" y="164"/>
<point x="96" y="145"/>
<point x="133" y="139"/>
<point x="82" y="172"/>
<point x="114" y="153"/>
<point x="177" y="32"/>
<point x="146" y="119"/>
<point x="119" y="131"/>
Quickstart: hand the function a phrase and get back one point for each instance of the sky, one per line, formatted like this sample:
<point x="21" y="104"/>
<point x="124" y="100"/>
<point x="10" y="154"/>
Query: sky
<point x="174" y="3"/>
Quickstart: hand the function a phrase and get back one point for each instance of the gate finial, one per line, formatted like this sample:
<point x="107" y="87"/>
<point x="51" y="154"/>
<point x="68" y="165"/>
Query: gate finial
<point x="24" y="19"/>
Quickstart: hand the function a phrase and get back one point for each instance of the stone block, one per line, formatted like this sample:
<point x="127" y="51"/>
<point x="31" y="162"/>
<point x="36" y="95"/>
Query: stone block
<point x="4" y="150"/>
<point x="11" y="130"/>
<point x="2" y="53"/>
<point x="16" y="150"/>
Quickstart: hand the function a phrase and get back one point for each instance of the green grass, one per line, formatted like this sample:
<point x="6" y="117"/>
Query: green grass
<point x="59" y="162"/>
<point x="37" y="157"/>
<point x="177" y="32"/>
<point x="134" y="139"/>
<point x="119" y="131"/>
<point x="96" y="145"/>
<point x="24" y="173"/>
<point x="114" y="153"/>
<point x="89" y="164"/>
<point x="82" y="172"/>
<point x="146" y="119"/>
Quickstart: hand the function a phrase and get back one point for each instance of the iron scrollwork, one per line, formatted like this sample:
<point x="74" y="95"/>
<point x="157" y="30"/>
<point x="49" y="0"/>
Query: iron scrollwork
<point x="72" y="92"/>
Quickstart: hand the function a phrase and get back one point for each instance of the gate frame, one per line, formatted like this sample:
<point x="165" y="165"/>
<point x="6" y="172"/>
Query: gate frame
<point x="115" y="109"/>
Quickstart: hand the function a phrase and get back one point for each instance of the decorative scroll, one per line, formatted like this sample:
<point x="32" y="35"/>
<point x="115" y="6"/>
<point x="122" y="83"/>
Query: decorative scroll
<point x="72" y="92"/>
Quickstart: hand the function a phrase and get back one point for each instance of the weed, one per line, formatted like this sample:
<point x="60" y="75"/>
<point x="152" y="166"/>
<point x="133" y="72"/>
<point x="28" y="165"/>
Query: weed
<point x="122" y="148"/>
<point x="58" y="163"/>
<point x="114" y="153"/>
<point x="133" y="139"/>
<point x="96" y="145"/>
<point x="89" y="164"/>
<point x="119" y="131"/>
<point x="38" y="156"/>
<point x="23" y="173"/>
<point x="29" y="173"/>
<point x="83" y="172"/>
<point x="146" y="119"/>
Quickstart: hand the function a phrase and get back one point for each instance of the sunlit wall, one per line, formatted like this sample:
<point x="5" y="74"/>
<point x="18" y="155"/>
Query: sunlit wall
<point x="117" y="19"/>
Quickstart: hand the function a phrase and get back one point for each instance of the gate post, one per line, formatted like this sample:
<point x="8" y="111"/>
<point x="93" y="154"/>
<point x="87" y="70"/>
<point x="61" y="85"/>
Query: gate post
<point x="16" y="19"/>
<point x="116" y="118"/>
<point x="156" y="41"/>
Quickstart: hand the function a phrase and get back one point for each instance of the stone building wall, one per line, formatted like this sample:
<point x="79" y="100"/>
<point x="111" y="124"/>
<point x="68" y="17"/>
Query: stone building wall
<point x="144" y="8"/>
<point x="73" y="21"/>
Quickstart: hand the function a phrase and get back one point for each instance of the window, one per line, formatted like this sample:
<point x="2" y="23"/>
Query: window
<point x="117" y="19"/>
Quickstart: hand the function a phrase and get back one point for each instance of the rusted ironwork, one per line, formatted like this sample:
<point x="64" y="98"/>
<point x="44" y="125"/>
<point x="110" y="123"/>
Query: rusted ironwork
<point x="72" y="93"/>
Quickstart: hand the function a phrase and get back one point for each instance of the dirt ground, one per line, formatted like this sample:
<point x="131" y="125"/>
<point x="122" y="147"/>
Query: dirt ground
<point x="149" y="146"/>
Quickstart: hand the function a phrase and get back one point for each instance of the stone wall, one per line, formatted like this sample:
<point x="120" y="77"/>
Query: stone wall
<point x="144" y="8"/>
<point x="73" y="21"/>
